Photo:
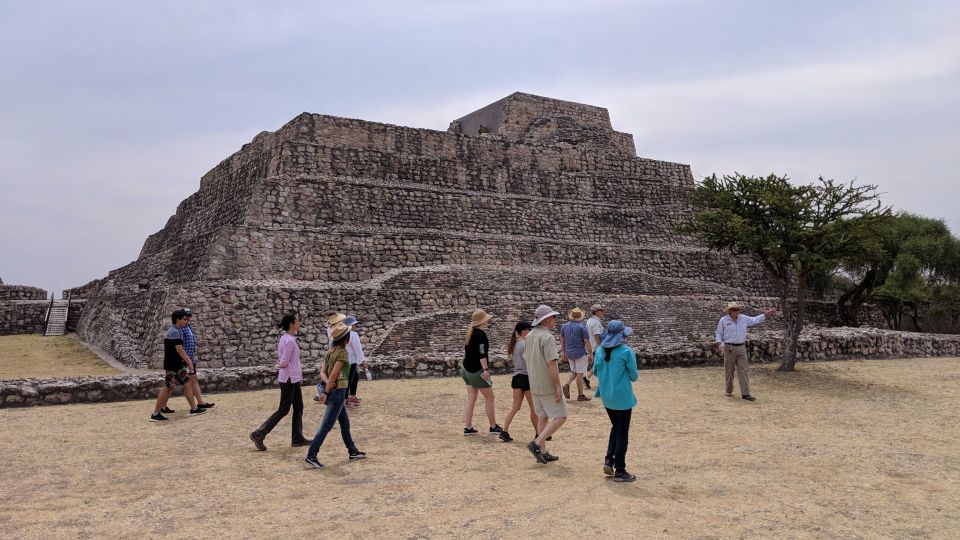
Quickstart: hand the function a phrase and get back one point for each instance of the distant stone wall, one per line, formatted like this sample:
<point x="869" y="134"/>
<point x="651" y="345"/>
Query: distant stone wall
<point x="84" y="291"/>
<point x="815" y="344"/>
<point x="21" y="292"/>
<point x="74" y="314"/>
<point x="23" y="317"/>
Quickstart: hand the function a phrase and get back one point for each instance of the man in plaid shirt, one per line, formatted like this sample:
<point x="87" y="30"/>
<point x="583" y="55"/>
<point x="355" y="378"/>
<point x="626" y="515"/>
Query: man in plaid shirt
<point x="190" y="347"/>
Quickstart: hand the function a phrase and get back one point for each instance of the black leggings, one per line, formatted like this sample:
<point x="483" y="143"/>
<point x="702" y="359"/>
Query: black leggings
<point x="619" y="433"/>
<point x="290" y="394"/>
<point x="354" y="379"/>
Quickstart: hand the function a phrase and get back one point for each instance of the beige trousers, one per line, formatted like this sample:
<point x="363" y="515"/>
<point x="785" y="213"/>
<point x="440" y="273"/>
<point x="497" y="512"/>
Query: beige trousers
<point x="735" y="357"/>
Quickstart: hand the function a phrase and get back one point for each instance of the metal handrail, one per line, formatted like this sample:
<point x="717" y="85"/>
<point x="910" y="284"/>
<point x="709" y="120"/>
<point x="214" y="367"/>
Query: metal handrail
<point x="46" y="320"/>
<point x="66" y="321"/>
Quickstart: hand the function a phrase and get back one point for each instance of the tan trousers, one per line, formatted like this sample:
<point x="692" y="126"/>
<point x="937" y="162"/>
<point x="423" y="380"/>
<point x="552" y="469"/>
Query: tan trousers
<point x="735" y="357"/>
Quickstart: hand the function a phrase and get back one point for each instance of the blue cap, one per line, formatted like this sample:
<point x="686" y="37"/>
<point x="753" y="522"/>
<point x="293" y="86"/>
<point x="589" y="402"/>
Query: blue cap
<point x="351" y="320"/>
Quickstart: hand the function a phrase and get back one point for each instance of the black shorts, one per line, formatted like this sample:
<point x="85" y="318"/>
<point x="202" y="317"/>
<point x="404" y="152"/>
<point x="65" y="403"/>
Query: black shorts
<point x="520" y="382"/>
<point x="173" y="378"/>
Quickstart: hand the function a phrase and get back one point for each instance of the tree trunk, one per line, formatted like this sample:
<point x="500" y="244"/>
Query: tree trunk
<point x="793" y="325"/>
<point x="915" y="315"/>
<point x="848" y="305"/>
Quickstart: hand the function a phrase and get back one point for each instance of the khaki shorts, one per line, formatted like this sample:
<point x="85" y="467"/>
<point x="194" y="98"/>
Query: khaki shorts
<point x="547" y="406"/>
<point x="579" y="365"/>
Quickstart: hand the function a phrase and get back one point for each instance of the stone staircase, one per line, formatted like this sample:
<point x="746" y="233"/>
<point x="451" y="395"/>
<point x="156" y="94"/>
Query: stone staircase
<point x="57" y="318"/>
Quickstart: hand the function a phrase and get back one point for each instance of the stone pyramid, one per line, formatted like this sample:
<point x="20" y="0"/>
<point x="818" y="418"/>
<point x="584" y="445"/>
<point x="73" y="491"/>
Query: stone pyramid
<point x="528" y="200"/>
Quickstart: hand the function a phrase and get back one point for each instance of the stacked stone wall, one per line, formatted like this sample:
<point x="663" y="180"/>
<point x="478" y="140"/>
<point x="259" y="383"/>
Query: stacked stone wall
<point x="351" y="254"/>
<point x="10" y="293"/>
<point x="74" y="313"/>
<point x="84" y="291"/>
<point x="23" y="317"/>
<point x="522" y="169"/>
<point x="325" y="203"/>
<point x="126" y="322"/>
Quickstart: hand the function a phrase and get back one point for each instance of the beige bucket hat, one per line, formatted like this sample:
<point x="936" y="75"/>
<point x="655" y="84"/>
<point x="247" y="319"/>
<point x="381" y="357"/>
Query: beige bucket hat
<point x="595" y="308"/>
<point x="731" y="305"/>
<point x="576" y="314"/>
<point x="480" y="317"/>
<point x="543" y="312"/>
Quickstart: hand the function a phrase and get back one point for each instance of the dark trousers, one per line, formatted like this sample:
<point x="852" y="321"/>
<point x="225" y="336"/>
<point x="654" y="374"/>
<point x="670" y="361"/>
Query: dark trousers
<point x="354" y="378"/>
<point x="290" y="394"/>
<point x="336" y="412"/>
<point x="619" y="434"/>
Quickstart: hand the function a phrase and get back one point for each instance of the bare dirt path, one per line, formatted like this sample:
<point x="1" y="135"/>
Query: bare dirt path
<point x="840" y="449"/>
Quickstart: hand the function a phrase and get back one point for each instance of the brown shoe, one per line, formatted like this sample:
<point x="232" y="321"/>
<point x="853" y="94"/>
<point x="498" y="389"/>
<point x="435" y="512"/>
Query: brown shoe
<point x="582" y="397"/>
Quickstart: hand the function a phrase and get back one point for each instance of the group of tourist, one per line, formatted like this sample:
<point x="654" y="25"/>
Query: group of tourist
<point x="536" y="379"/>
<point x="587" y="347"/>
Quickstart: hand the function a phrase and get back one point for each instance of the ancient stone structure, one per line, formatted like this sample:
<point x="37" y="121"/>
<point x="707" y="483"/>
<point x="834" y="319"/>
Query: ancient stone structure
<point x="23" y="309"/>
<point x="528" y="200"/>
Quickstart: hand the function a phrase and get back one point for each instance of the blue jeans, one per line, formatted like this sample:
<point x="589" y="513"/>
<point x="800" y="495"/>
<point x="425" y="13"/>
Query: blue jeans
<point x="336" y="412"/>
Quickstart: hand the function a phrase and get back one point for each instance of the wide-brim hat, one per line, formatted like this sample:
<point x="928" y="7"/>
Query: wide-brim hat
<point x="338" y="330"/>
<point x="542" y="313"/>
<point x="731" y="305"/>
<point x="615" y="334"/>
<point x="576" y="314"/>
<point x="595" y="308"/>
<point x="350" y="320"/>
<point x="336" y="318"/>
<point x="480" y="317"/>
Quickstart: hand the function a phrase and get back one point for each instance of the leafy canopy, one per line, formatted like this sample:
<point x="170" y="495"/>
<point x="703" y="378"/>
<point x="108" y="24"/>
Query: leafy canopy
<point x="791" y="229"/>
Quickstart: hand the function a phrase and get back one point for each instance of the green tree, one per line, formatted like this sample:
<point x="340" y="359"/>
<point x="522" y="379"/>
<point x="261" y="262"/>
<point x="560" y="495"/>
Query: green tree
<point x="795" y="231"/>
<point x="919" y="263"/>
<point x="903" y="247"/>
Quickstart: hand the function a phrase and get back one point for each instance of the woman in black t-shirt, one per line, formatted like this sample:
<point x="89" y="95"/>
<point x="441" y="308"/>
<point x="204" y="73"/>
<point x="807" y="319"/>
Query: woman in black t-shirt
<point x="476" y="371"/>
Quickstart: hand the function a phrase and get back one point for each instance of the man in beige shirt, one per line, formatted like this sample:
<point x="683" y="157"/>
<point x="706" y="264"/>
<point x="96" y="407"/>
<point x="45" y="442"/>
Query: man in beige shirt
<point x="542" y="355"/>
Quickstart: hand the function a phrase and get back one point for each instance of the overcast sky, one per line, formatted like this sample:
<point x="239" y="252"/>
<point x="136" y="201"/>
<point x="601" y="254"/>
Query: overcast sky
<point x="110" y="112"/>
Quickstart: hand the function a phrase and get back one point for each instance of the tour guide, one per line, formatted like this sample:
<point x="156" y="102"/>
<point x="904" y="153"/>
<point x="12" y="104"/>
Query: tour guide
<point x="732" y="339"/>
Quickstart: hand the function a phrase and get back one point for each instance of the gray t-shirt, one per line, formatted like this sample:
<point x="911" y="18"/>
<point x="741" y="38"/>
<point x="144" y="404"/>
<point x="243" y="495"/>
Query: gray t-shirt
<point x="519" y="364"/>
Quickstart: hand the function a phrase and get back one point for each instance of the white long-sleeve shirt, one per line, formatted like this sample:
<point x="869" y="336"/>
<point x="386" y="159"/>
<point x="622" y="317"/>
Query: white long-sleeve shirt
<point x="730" y="331"/>
<point x="355" y="349"/>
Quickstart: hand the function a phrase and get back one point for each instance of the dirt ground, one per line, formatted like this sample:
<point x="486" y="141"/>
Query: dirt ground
<point x="854" y="449"/>
<point x="48" y="356"/>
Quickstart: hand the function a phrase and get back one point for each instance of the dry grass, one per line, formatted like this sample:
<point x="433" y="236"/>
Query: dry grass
<point x="48" y="356"/>
<point x="841" y="449"/>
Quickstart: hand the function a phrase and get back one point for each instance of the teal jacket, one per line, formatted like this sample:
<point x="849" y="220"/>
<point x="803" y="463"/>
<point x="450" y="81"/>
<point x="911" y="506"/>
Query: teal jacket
<point x="616" y="377"/>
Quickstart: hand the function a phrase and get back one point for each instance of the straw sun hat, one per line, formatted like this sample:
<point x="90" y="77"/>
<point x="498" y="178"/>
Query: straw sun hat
<point x="338" y="330"/>
<point x="480" y="317"/>
<point x="576" y="314"/>
<point x="731" y="305"/>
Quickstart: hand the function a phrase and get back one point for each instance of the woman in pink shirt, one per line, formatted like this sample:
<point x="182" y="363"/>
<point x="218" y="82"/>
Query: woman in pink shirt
<point x="290" y="377"/>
